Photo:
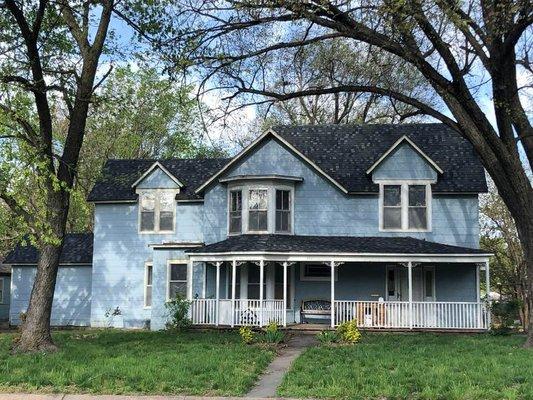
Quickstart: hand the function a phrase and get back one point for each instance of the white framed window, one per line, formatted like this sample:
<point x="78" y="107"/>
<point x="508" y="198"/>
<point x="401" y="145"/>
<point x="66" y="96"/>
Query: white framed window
<point x="2" y="290"/>
<point x="283" y="211"/>
<point x="235" y="211"/>
<point x="157" y="211"/>
<point x="148" y="276"/>
<point x="316" y="272"/>
<point x="258" y="210"/>
<point x="405" y="206"/>
<point x="263" y="207"/>
<point x="177" y="279"/>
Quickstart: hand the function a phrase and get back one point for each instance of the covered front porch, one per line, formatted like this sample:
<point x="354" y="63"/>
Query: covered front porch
<point x="381" y="290"/>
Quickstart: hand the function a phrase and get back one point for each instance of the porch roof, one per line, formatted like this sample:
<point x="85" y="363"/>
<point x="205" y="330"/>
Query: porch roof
<point x="365" y="247"/>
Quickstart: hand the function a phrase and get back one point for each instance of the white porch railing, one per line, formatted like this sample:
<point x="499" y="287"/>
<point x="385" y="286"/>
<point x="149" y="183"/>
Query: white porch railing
<point x="243" y="312"/>
<point x="397" y="314"/>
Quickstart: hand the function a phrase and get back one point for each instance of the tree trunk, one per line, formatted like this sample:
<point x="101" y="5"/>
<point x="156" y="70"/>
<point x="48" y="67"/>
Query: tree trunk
<point x="528" y="254"/>
<point x="36" y="335"/>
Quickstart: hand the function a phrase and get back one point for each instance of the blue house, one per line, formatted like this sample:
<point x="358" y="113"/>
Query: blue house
<point x="307" y="223"/>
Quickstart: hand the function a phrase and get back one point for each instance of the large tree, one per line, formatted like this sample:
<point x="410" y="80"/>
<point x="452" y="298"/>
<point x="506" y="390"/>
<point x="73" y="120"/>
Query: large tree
<point x="51" y="57"/>
<point x="473" y="56"/>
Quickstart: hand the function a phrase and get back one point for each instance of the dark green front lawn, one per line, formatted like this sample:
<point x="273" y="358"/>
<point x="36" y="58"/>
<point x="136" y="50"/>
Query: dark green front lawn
<point x="203" y="363"/>
<point x="417" y="366"/>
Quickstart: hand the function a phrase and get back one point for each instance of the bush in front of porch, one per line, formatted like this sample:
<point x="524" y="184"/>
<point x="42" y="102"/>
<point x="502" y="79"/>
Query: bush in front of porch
<point x="415" y="366"/>
<point x="127" y="362"/>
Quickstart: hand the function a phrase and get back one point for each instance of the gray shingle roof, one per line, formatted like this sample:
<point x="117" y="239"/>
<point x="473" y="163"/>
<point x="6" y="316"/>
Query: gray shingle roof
<point x="77" y="249"/>
<point x="119" y="175"/>
<point x="331" y="244"/>
<point x="345" y="152"/>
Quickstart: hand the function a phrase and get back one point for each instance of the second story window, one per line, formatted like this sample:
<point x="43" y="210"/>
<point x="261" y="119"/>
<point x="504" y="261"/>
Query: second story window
<point x="405" y="207"/>
<point x="283" y="211"/>
<point x="258" y="210"/>
<point x="157" y="211"/>
<point x="235" y="211"/>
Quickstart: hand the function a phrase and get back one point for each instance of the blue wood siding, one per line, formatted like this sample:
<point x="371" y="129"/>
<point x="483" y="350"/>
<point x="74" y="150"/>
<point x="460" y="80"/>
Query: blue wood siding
<point x="157" y="179"/>
<point x="322" y="209"/>
<point x="404" y="163"/>
<point x="120" y="254"/>
<point x="4" y="303"/>
<point x="72" y="296"/>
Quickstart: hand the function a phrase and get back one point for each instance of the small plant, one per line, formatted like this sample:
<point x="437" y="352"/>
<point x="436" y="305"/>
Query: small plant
<point x="273" y="334"/>
<point x="327" y="337"/>
<point x="178" y="312"/>
<point x="110" y="312"/>
<point x="247" y="335"/>
<point x="349" y="332"/>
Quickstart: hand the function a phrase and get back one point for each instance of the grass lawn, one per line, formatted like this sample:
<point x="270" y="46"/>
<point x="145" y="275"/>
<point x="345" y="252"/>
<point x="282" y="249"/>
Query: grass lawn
<point x="415" y="366"/>
<point x="115" y="362"/>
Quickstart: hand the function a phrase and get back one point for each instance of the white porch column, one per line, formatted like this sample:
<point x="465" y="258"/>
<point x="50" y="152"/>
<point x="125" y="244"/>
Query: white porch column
<point x="189" y="280"/>
<point x="285" y="293"/>
<point x="332" y="264"/>
<point x="487" y="285"/>
<point x="261" y="291"/>
<point x="233" y="282"/>
<point x="410" y="278"/>
<point x="217" y="294"/>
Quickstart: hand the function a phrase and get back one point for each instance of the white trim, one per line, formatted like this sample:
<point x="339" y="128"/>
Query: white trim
<point x="404" y="205"/>
<point x="146" y="265"/>
<point x="396" y="144"/>
<point x="253" y="145"/>
<point x="155" y="165"/>
<point x="339" y="257"/>
<point x="184" y="245"/>
<point x="326" y="278"/>
<point x="239" y="178"/>
<point x="157" y="210"/>
<point x="188" y="280"/>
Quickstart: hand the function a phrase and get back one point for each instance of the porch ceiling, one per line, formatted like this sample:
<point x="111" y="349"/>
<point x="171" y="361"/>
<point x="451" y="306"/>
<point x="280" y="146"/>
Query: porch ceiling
<point x="335" y="248"/>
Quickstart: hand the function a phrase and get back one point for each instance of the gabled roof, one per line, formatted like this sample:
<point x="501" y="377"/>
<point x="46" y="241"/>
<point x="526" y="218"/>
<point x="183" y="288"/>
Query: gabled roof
<point x="346" y="152"/>
<point x="413" y="146"/>
<point x="77" y="249"/>
<point x="155" y="165"/>
<point x="118" y="177"/>
<point x="331" y="244"/>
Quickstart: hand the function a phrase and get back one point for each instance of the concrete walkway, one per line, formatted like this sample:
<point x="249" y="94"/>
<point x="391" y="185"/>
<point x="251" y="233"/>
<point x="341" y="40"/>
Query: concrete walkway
<point x="270" y="380"/>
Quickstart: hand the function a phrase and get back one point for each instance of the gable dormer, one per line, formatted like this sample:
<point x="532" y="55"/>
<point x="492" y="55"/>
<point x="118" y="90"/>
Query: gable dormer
<point x="157" y="189"/>
<point x="405" y="175"/>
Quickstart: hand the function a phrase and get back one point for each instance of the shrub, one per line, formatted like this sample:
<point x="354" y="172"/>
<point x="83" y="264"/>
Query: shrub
<point x="327" y="337"/>
<point x="178" y="310"/>
<point x="273" y="334"/>
<point x="349" y="332"/>
<point x="247" y="335"/>
<point x="505" y="313"/>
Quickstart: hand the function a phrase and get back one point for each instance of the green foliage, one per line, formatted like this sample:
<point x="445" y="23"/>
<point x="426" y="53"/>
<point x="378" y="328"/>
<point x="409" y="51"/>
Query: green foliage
<point x="416" y="367"/>
<point x="97" y="361"/>
<point x="178" y="310"/>
<point x="349" y="332"/>
<point x="272" y="334"/>
<point x="328" y="337"/>
<point x="505" y="313"/>
<point x="247" y="335"/>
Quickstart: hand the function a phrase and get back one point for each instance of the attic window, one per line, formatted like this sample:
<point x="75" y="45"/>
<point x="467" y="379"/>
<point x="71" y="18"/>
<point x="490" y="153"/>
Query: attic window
<point x="405" y="206"/>
<point x="157" y="209"/>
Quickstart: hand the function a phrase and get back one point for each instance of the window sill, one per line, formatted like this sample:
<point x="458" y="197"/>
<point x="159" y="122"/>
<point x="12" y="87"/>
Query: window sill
<point x="157" y="232"/>
<point x="405" y="230"/>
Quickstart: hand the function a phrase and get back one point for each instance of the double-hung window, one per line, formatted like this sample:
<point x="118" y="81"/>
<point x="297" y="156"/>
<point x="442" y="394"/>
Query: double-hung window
<point x="148" y="285"/>
<point x="283" y="211"/>
<point x="258" y="210"/>
<point x="405" y="207"/>
<point x="157" y="211"/>
<point x="235" y="211"/>
<point x="177" y="280"/>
